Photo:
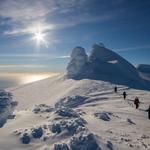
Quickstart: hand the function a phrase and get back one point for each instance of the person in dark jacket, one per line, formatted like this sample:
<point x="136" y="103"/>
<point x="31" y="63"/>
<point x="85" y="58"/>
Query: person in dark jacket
<point x="124" y="95"/>
<point x="115" y="89"/>
<point x="148" y="110"/>
<point x="137" y="102"/>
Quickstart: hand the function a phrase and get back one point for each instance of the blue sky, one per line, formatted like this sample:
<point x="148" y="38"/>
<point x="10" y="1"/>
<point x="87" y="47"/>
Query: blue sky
<point x="122" y="25"/>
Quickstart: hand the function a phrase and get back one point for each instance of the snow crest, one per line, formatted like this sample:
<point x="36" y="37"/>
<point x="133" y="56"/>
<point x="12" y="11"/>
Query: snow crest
<point x="103" y="64"/>
<point x="77" y="63"/>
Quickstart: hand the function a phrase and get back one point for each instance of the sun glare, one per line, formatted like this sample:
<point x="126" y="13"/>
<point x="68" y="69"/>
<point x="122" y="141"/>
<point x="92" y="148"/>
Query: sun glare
<point x="39" y="36"/>
<point x="40" y="39"/>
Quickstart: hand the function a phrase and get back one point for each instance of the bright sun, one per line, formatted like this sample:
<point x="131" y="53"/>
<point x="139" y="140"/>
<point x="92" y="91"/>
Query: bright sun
<point x="40" y="38"/>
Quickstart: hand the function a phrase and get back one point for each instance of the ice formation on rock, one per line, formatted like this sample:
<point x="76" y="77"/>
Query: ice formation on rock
<point x="77" y="63"/>
<point x="103" y="64"/>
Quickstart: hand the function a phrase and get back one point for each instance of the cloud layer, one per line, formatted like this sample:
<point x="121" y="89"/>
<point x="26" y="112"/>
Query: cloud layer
<point x="24" y="16"/>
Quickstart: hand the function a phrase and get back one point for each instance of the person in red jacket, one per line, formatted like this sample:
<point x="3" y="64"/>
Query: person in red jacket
<point x="137" y="102"/>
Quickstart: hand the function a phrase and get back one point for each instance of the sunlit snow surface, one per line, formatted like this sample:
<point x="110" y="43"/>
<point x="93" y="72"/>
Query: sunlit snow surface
<point x="127" y="127"/>
<point x="80" y="110"/>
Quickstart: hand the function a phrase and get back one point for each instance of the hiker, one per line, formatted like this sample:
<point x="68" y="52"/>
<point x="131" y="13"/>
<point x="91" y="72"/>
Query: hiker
<point x="115" y="89"/>
<point x="137" y="102"/>
<point x="148" y="110"/>
<point x="124" y="95"/>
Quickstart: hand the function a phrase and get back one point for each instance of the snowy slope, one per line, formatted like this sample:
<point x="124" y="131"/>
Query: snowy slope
<point x="127" y="128"/>
<point x="70" y="113"/>
<point x="53" y="89"/>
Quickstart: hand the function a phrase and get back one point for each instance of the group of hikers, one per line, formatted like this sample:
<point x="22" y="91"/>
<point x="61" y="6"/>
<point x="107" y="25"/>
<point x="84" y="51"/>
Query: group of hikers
<point x="136" y="101"/>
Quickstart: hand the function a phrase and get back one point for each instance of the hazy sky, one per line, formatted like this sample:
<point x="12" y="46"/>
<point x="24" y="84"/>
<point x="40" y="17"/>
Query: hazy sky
<point x="122" y="25"/>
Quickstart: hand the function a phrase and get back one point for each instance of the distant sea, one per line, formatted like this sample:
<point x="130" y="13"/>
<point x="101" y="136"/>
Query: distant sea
<point x="15" y="79"/>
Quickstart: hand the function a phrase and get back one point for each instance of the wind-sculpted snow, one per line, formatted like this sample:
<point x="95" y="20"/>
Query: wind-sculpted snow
<point x="71" y="101"/>
<point x="72" y="126"/>
<point x="103" y="115"/>
<point x="106" y="116"/>
<point x="6" y="106"/>
<point x="100" y="58"/>
<point x="77" y="63"/>
<point x="76" y="126"/>
<point x="42" y="108"/>
<point x="84" y="141"/>
<point x="37" y="132"/>
<point x="65" y="119"/>
<point x="104" y="64"/>
<point x="69" y="120"/>
<point x="130" y="121"/>
<point x="27" y="134"/>
<point x="62" y="146"/>
<point x="25" y="138"/>
<point x="69" y="125"/>
<point x="66" y="112"/>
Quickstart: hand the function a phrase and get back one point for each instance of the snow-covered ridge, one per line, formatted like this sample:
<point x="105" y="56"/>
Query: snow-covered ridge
<point x="103" y="64"/>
